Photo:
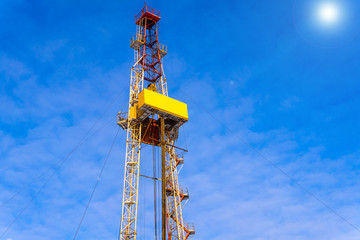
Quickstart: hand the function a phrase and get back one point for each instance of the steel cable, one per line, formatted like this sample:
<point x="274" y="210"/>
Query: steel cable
<point x="304" y="189"/>
<point x="155" y="202"/>
<point x="96" y="184"/>
<point x="58" y="165"/>
<point x="59" y="162"/>
<point x="36" y="193"/>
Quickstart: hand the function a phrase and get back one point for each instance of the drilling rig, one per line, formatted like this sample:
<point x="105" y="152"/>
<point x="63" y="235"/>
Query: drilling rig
<point x="153" y="118"/>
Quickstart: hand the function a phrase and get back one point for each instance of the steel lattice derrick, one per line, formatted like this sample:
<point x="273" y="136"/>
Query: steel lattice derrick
<point x="132" y="159"/>
<point x="143" y="128"/>
<point x="131" y="182"/>
<point x="151" y="60"/>
<point x="174" y="210"/>
<point x="162" y="84"/>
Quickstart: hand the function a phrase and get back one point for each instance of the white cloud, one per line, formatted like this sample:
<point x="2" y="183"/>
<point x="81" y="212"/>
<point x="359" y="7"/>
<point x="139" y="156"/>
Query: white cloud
<point x="234" y="193"/>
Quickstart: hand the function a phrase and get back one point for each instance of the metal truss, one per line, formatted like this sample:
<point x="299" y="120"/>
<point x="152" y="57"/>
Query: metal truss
<point x="148" y="53"/>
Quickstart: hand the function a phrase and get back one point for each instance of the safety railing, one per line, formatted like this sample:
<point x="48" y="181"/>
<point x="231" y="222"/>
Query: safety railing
<point x="122" y="119"/>
<point x="179" y="158"/>
<point x="122" y="115"/>
<point x="162" y="47"/>
<point x="147" y="9"/>
<point x="184" y="190"/>
<point x="189" y="228"/>
<point x="136" y="37"/>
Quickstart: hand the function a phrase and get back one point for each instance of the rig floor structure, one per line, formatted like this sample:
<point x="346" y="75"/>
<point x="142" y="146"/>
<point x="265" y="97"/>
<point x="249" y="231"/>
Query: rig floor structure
<point x="153" y="118"/>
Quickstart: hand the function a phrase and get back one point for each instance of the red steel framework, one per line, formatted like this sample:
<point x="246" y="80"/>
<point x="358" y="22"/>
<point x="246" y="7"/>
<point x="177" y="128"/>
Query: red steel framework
<point x="149" y="52"/>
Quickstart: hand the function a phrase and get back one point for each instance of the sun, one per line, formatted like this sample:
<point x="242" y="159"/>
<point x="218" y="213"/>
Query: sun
<point x="328" y="13"/>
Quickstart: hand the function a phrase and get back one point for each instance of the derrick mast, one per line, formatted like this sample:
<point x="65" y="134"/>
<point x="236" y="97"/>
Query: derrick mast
<point x="153" y="118"/>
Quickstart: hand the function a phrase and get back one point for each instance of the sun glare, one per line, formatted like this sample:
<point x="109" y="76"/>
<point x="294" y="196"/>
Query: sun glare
<point x="327" y="23"/>
<point x="328" y="13"/>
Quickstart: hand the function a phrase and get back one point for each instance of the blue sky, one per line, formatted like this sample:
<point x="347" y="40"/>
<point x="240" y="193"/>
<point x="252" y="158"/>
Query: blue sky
<point x="266" y="70"/>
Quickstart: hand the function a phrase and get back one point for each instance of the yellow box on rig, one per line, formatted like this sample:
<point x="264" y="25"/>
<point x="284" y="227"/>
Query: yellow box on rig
<point x="133" y="110"/>
<point x="163" y="104"/>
